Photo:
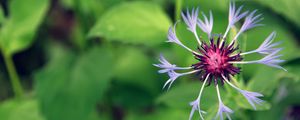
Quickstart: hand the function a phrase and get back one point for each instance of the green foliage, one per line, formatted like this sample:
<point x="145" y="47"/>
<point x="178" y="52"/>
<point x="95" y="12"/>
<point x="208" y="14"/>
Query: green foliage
<point x="21" y="25"/>
<point x="133" y="22"/>
<point x="287" y="8"/>
<point x="20" y="110"/>
<point x="68" y="88"/>
<point x="101" y="66"/>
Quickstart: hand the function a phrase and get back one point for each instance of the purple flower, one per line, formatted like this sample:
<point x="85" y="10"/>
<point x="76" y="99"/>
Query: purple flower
<point x="191" y="19"/>
<point x="252" y="97"/>
<point x="223" y="110"/>
<point x="166" y="66"/>
<point x="195" y="106"/>
<point x="172" y="35"/>
<point x="206" y="25"/>
<point x="174" y="75"/>
<point x="216" y="60"/>
<point x="235" y="15"/>
<point x="272" y="60"/>
<point x="173" y="38"/>
<point x="251" y="21"/>
<point x="267" y="47"/>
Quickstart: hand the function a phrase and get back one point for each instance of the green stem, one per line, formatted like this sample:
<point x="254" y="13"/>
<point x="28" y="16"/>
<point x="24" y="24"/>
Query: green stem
<point x="14" y="78"/>
<point x="178" y="9"/>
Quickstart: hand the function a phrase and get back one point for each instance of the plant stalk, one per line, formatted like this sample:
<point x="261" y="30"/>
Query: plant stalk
<point x="14" y="78"/>
<point x="178" y="8"/>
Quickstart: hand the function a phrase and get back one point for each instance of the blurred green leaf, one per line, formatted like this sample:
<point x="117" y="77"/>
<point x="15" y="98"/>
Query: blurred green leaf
<point x="133" y="22"/>
<point x="2" y="16"/>
<point x="90" y="7"/>
<point x="135" y="79"/>
<point x="160" y="114"/>
<point x="288" y="8"/>
<point x="21" y="25"/>
<point x="243" y="103"/>
<point x="89" y="80"/>
<point x="20" y="110"/>
<point x="219" y="5"/>
<point x="265" y="80"/>
<point x="69" y="89"/>
<point x="179" y="96"/>
<point x="126" y="96"/>
<point x="133" y="66"/>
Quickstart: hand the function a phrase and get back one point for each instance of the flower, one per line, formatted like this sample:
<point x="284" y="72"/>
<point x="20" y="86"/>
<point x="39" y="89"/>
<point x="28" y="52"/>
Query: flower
<point x="252" y="97"/>
<point x="166" y="66"/>
<point x="191" y="19"/>
<point x="223" y="110"/>
<point x="266" y="47"/>
<point x="206" y="25"/>
<point x="195" y="106"/>
<point x="217" y="60"/>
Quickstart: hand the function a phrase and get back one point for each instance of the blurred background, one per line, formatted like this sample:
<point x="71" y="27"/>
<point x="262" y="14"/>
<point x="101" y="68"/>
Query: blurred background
<point x="92" y="60"/>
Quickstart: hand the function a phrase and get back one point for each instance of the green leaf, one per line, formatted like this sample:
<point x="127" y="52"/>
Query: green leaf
<point x="160" y="114"/>
<point x="69" y="89"/>
<point x="133" y="22"/>
<point x="20" y="110"/>
<point x="265" y="80"/>
<point x="179" y="96"/>
<point x="135" y="78"/>
<point x="243" y="103"/>
<point x="134" y="67"/>
<point x="89" y="80"/>
<point x="20" y="27"/>
<point x="288" y="8"/>
<point x="2" y="16"/>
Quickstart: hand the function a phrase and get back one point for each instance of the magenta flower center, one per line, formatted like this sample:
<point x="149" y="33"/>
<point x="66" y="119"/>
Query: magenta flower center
<point x="215" y="60"/>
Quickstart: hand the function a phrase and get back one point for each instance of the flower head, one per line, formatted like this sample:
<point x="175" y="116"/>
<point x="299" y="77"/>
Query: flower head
<point x="217" y="60"/>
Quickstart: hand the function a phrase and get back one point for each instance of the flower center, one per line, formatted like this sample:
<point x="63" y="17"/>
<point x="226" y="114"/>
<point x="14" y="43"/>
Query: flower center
<point x="215" y="60"/>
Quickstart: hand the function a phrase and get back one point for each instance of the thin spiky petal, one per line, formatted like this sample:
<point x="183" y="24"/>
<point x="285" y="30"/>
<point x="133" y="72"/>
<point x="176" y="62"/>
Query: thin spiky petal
<point x="251" y="21"/>
<point x="195" y="106"/>
<point x="272" y="60"/>
<point x="206" y="25"/>
<point x="191" y="19"/>
<point x="267" y="47"/>
<point x="172" y="37"/>
<point x="235" y="15"/>
<point x="252" y="97"/>
<point x="222" y="108"/>
<point x="166" y="66"/>
<point x="174" y="75"/>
